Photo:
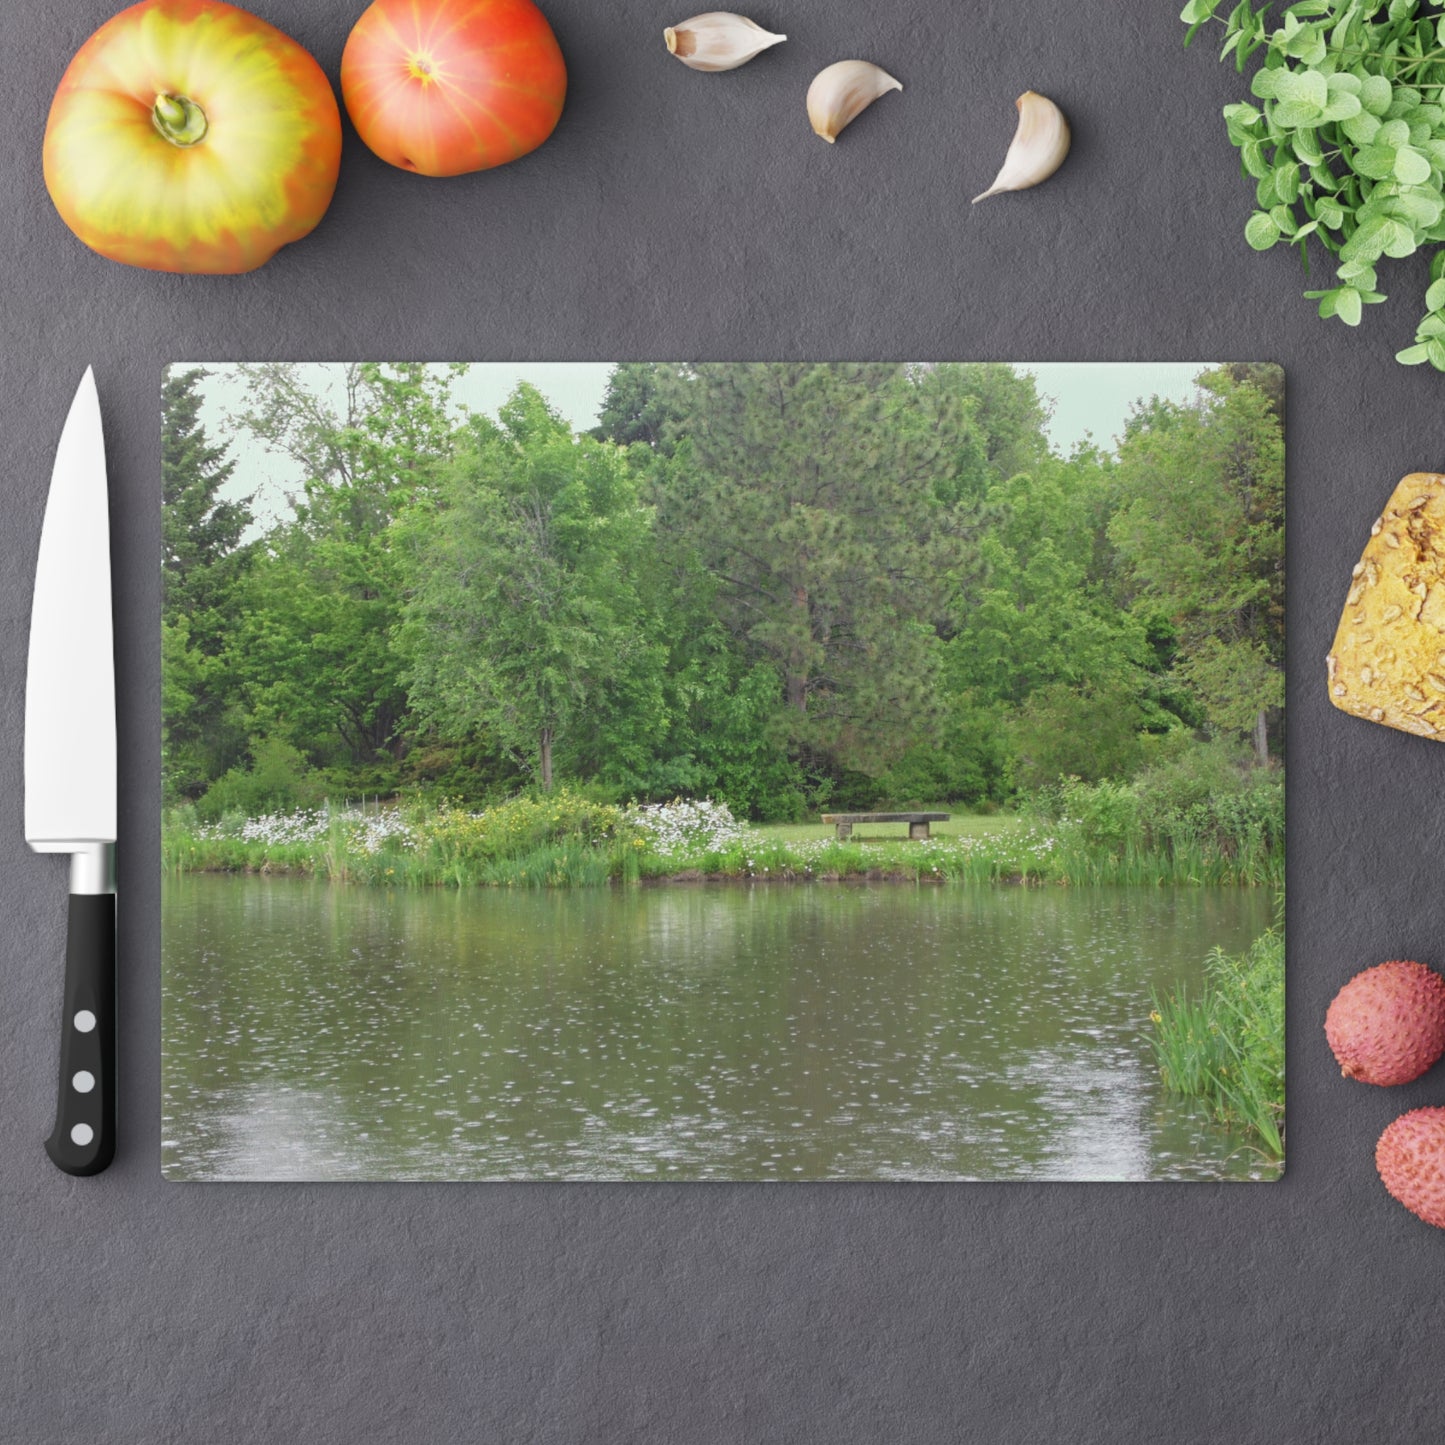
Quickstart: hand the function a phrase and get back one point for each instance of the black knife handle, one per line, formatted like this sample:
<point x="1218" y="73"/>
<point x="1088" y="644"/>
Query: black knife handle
<point x="84" y="1137"/>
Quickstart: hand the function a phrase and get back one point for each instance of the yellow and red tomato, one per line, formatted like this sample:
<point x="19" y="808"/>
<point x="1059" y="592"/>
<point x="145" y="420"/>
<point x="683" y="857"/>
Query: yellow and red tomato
<point x="443" y="87"/>
<point x="189" y="135"/>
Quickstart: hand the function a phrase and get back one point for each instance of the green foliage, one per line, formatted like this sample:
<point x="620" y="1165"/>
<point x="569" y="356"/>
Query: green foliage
<point x="1213" y="470"/>
<point x="1088" y="732"/>
<point x="636" y="409"/>
<point x="201" y="531"/>
<point x="203" y="562"/>
<point x="1347" y="144"/>
<point x="726" y="741"/>
<point x="968" y="763"/>
<point x="466" y="771"/>
<point x="1039" y="633"/>
<point x="1203" y="817"/>
<point x="519" y="826"/>
<point x="522" y="615"/>
<point x="278" y="779"/>
<point x="814" y="504"/>
<point x="563" y="839"/>
<point x="313" y="652"/>
<point x="550" y="865"/>
<point x="1226" y="1046"/>
<point x="794" y="587"/>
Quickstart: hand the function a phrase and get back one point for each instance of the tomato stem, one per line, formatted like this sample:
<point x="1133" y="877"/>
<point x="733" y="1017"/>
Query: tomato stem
<point x="179" y="119"/>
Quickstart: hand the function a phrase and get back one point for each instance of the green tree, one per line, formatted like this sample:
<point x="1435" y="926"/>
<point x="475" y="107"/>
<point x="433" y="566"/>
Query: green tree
<point x="635" y="408"/>
<point x="1200" y="532"/>
<point x="1039" y="638"/>
<point x="201" y="531"/>
<point x="315" y="646"/>
<point x="1039" y="616"/>
<point x="994" y="417"/>
<point x="203" y="560"/>
<point x="523" y="615"/>
<point x="813" y="499"/>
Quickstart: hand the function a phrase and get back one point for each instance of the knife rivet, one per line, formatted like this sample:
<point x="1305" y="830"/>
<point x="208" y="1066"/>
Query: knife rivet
<point x="83" y="1082"/>
<point x="85" y="1021"/>
<point x="82" y="1134"/>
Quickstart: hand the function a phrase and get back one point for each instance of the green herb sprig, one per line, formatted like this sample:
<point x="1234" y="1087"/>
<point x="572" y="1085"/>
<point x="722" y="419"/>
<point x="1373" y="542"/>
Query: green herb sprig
<point x="1348" y="142"/>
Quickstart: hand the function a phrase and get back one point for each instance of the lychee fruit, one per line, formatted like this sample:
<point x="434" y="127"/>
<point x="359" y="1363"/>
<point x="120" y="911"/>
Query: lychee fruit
<point x="1411" y="1159"/>
<point x="1387" y="1024"/>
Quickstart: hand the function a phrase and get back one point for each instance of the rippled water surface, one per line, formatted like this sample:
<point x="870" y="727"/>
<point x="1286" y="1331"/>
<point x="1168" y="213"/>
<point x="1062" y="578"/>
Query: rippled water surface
<point x="686" y="1032"/>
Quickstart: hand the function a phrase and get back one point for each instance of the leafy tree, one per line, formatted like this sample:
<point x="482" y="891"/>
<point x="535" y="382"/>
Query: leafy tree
<point x="523" y="613"/>
<point x="315" y="646"/>
<point x="998" y="424"/>
<point x="1038" y="617"/>
<point x="768" y="583"/>
<point x="1200" y="532"/>
<point x="1090" y="732"/>
<point x="367" y="438"/>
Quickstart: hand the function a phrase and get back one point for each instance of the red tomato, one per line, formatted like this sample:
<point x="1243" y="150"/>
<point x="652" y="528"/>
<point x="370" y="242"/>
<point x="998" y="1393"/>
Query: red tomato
<point x="443" y="87"/>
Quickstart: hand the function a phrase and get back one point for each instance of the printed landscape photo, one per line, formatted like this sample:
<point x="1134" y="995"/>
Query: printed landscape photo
<point x="728" y="771"/>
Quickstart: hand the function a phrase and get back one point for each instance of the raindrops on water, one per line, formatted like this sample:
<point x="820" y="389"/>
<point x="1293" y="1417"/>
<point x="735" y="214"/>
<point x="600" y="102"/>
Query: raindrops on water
<point x="686" y="1032"/>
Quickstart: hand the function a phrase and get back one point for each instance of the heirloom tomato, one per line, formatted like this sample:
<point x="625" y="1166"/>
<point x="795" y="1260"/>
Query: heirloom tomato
<point x="188" y="135"/>
<point x="443" y="87"/>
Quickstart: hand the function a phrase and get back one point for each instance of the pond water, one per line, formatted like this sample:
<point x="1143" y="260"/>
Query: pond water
<point x="772" y="1031"/>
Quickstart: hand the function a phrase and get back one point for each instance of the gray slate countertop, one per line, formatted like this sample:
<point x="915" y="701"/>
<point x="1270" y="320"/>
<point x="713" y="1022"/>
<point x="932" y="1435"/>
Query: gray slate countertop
<point x="679" y="215"/>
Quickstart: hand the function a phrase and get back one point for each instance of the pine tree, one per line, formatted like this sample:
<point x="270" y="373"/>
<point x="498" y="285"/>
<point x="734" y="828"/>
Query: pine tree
<point x="200" y="531"/>
<point x="202" y="560"/>
<point x="815" y="503"/>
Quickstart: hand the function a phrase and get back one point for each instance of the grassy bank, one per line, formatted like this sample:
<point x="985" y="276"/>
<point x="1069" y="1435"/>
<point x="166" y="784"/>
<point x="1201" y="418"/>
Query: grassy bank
<point x="1226" y="1046"/>
<point x="568" y="841"/>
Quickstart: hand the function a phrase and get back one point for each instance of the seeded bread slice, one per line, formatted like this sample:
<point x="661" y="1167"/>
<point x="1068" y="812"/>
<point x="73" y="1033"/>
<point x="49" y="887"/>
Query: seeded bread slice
<point x="1388" y="660"/>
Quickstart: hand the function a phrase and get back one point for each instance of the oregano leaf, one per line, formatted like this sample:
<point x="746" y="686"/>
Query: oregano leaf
<point x="1260" y="231"/>
<point x="1345" y="143"/>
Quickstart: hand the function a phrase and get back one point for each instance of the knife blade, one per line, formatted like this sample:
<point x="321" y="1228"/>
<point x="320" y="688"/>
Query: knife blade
<point x="70" y="772"/>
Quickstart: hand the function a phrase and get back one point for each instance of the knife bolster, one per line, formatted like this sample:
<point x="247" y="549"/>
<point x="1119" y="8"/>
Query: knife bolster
<point x="92" y="869"/>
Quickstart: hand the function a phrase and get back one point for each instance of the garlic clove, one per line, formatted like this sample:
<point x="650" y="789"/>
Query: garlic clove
<point x="718" y="40"/>
<point x="842" y="92"/>
<point x="1038" y="148"/>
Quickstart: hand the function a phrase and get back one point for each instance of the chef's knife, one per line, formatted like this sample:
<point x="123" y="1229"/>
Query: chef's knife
<point x="70" y="773"/>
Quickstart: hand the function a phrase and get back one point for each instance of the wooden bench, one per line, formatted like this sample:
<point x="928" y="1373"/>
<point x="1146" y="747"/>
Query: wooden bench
<point x="917" y="822"/>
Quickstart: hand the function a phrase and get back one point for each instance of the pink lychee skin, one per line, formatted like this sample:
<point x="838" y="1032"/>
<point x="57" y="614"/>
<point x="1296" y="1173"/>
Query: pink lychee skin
<point x="1387" y="1024"/>
<point x="1411" y="1159"/>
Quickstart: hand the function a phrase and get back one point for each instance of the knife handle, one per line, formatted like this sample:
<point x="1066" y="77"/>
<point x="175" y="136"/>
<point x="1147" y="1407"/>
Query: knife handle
<point x="84" y="1137"/>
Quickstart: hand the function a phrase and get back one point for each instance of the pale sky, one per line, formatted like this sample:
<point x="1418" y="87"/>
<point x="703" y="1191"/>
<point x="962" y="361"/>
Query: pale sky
<point x="1090" y="399"/>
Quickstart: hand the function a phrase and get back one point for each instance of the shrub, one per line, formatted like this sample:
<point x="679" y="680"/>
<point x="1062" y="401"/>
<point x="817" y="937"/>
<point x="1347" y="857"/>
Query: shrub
<point x="278" y="779"/>
<point x="462" y="771"/>
<point x="1102" y="815"/>
<point x="1201" y="817"/>
<point x="967" y="762"/>
<point x="1214" y="798"/>
<point x="1086" y="733"/>
<point x="521" y="825"/>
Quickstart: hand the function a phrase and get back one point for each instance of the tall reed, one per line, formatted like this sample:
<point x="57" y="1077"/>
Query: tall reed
<point x="1225" y="1046"/>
